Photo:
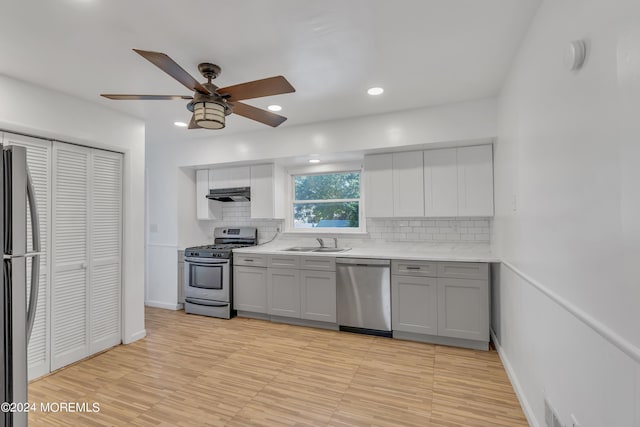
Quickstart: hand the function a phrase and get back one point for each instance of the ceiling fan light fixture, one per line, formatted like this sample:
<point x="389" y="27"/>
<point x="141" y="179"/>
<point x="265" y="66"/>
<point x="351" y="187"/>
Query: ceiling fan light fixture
<point x="209" y="115"/>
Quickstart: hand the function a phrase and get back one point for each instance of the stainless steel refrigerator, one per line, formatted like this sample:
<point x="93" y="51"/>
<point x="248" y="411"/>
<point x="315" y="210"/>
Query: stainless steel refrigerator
<point x="17" y="318"/>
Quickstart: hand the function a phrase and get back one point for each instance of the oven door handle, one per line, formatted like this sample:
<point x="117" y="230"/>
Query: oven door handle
<point x="209" y="303"/>
<point x="202" y="264"/>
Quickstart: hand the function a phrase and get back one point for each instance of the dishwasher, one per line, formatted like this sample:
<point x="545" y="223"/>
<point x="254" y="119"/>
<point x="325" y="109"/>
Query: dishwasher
<point x="364" y="295"/>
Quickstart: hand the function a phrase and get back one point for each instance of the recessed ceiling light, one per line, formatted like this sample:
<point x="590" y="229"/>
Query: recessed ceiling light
<point x="180" y="124"/>
<point x="314" y="161"/>
<point x="274" y="108"/>
<point x="375" y="91"/>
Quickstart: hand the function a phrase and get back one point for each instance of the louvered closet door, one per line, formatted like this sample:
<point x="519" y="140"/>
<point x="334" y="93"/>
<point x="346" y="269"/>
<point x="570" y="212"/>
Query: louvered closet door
<point x="70" y="258"/>
<point x="105" y="237"/>
<point x="39" y="164"/>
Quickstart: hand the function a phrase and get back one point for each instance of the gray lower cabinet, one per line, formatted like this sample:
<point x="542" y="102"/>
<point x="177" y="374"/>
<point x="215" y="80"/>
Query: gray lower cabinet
<point x="284" y="292"/>
<point x="286" y="286"/>
<point x="250" y="289"/>
<point x="318" y="295"/>
<point x="463" y="308"/>
<point x="447" y="300"/>
<point x="414" y="304"/>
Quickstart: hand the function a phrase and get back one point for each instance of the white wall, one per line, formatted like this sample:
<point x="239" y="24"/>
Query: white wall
<point x="567" y="209"/>
<point x="175" y="227"/>
<point x="37" y="111"/>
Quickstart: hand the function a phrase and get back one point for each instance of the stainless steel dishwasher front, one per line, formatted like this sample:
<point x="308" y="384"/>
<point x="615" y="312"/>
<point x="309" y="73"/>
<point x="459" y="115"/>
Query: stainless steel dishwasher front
<point x="364" y="295"/>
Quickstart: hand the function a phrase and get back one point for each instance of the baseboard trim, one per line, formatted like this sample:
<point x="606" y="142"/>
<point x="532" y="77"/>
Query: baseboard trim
<point x="165" y="305"/>
<point x="605" y="332"/>
<point x="135" y="337"/>
<point x="524" y="403"/>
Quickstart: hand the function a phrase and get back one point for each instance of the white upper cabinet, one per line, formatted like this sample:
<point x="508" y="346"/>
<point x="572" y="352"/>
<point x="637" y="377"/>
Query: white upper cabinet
<point x="408" y="184"/>
<point x="440" y="183"/>
<point x="205" y="208"/>
<point x="378" y="185"/>
<point x="475" y="181"/>
<point x="267" y="191"/>
<point x="448" y="182"/>
<point x="230" y="177"/>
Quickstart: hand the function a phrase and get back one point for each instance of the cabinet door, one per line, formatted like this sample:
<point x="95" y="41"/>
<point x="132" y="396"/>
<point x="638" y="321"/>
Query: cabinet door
<point x="250" y="289"/>
<point x="205" y="208"/>
<point x="219" y="178"/>
<point x="440" y="182"/>
<point x="408" y="184"/>
<point x="475" y="181"/>
<point x="70" y="257"/>
<point x="105" y="175"/>
<point x="463" y="308"/>
<point x="265" y="200"/>
<point x="239" y="177"/>
<point x="318" y="295"/>
<point x="284" y="292"/>
<point x="229" y="177"/>
<point x="378" y="185"/>
<point x="414" y="304"/>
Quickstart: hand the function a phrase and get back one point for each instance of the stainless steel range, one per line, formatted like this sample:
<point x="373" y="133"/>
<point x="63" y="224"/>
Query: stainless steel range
<point x="207" y="273"/>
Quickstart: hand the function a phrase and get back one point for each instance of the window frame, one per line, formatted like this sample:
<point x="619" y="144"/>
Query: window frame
<point x="324" y="170"/>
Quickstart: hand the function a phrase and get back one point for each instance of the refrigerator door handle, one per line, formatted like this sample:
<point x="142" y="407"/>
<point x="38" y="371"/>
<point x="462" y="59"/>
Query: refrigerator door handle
<point x="35" y="261"/>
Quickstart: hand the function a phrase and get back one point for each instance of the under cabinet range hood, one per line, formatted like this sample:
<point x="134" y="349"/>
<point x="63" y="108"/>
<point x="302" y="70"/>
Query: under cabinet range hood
<point x="237" y="194"/>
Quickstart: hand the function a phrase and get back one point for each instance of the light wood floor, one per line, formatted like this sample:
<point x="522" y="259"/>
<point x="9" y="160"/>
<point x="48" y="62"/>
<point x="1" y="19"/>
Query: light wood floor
<point x="192" y="370"/>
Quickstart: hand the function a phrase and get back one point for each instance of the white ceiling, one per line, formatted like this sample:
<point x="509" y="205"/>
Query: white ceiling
<point x="423" y="52"/>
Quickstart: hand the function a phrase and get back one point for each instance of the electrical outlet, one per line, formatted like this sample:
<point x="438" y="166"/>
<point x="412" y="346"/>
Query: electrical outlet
<point x="574" y="421"/>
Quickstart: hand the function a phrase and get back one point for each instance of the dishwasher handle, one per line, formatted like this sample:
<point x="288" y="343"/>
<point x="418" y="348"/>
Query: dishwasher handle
<point x="366" y="262"/>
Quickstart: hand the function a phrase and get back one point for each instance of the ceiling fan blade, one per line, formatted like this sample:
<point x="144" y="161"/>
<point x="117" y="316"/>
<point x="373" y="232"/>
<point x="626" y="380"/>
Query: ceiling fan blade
<point x="257" y="88"/>
<point x="192" y="123"/>
<point x="258" y="114"/>
<point x="170" y="67"/>
<point x="145" y="97"/>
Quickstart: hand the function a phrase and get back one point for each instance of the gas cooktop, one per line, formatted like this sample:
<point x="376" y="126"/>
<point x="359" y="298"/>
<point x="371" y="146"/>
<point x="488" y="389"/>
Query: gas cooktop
<point x="226" y="239"/>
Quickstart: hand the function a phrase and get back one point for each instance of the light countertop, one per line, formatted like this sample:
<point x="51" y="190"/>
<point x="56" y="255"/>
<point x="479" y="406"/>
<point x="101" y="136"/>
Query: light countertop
<point x="465" y="252"/>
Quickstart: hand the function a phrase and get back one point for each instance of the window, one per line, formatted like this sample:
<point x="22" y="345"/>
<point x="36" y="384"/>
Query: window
<point x="326" y="202"/>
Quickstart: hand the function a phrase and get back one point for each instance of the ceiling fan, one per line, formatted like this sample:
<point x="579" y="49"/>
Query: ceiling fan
<point x="210" y="103"/>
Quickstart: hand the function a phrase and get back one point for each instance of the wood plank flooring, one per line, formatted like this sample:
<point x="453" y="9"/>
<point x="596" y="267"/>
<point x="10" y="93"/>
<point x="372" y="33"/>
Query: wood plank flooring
<point x="199" y="371"/>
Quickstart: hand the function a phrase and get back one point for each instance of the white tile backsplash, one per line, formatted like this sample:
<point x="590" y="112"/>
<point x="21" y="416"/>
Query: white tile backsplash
<point x="430" y="230"/>
<point x="239" y="214"/>
<point x="439" y="230"/>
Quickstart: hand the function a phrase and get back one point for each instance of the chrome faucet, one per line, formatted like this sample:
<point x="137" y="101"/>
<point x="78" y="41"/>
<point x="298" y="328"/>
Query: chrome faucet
<point x="320" y="241"/>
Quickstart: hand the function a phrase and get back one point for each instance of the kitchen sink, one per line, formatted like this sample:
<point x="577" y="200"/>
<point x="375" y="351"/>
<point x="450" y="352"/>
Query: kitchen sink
<point x="314" y="249"/>
<point x="331" y="249"/>
<point x="301" y="249"/>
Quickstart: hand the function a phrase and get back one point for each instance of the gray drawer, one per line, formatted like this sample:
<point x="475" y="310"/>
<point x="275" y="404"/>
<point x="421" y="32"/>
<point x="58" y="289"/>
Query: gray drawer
<point x="464" y="270"/>
<point x="318" y="263"/>
<point x="250" y="260"/>
<point x="284" y="261"/>
<point x="414" y="268"/>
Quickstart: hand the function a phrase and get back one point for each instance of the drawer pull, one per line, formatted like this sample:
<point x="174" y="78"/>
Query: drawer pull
<point x="409" y="267"/>
<point x="248" y="260"/>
